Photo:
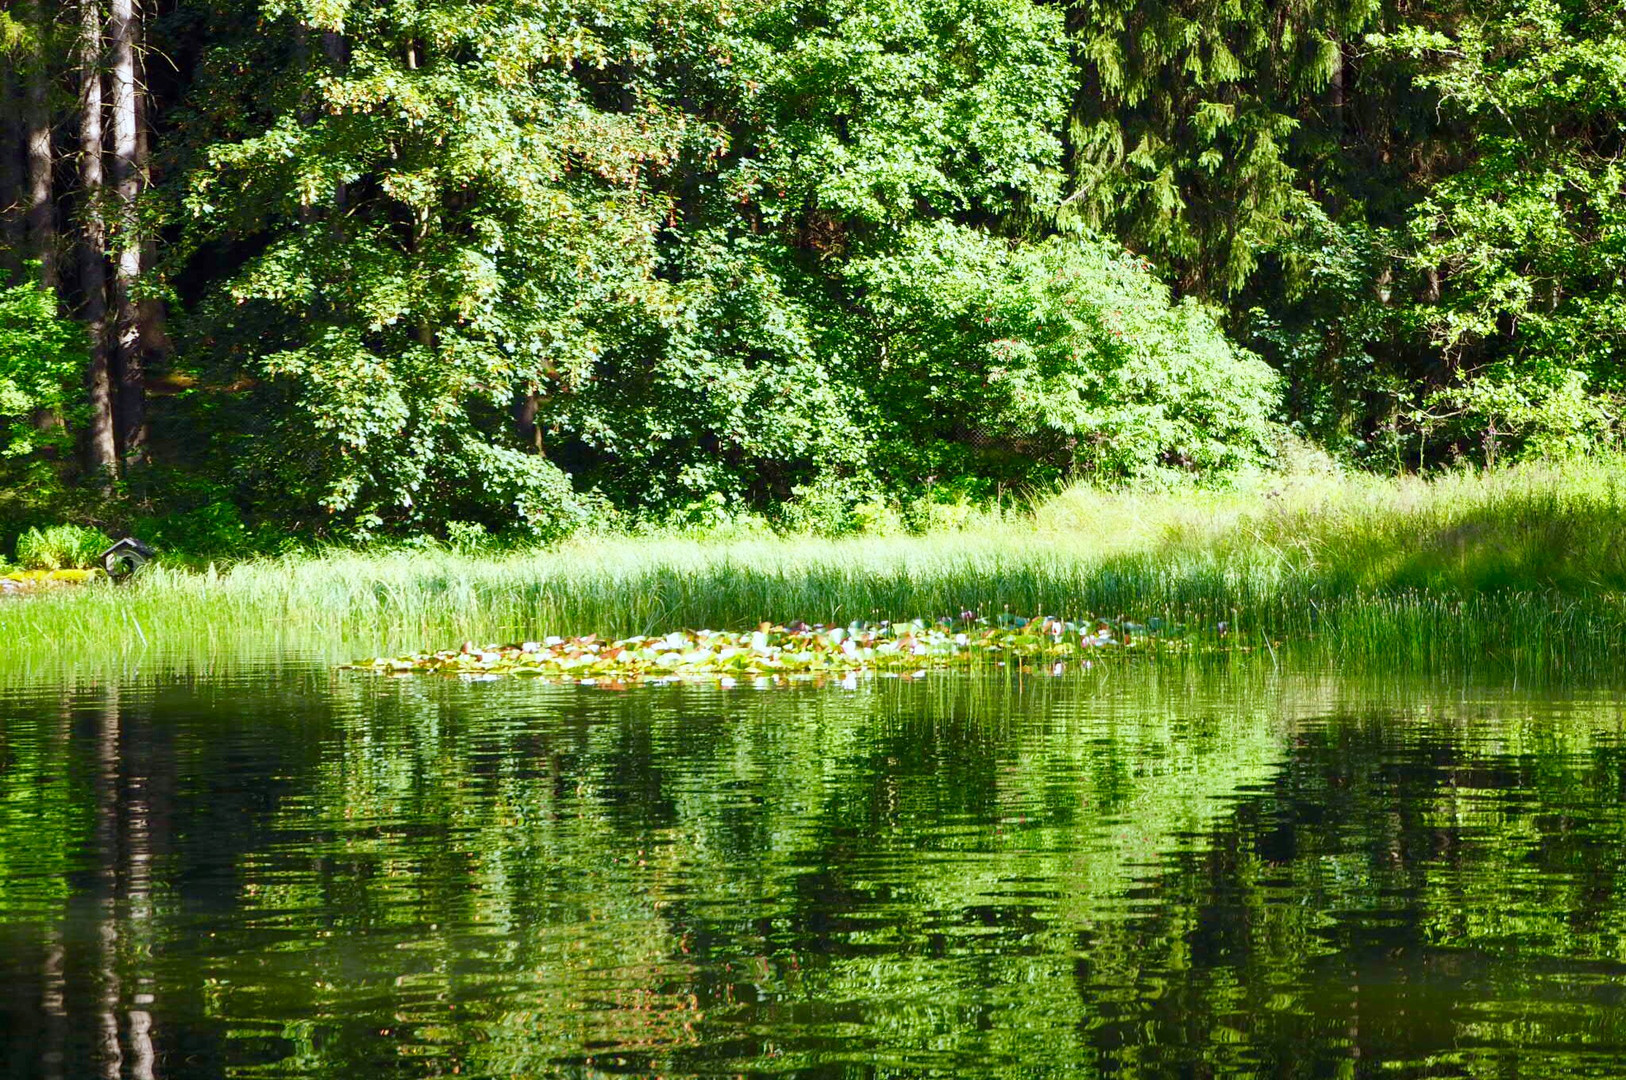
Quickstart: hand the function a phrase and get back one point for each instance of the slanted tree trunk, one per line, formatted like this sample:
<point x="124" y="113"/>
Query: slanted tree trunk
<point x="101" y="449"/>
<point x="132" y="391"/>
<point x="37" y="123"/>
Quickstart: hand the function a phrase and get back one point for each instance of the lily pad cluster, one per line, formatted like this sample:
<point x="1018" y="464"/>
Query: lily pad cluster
<point x="771" y="654"/>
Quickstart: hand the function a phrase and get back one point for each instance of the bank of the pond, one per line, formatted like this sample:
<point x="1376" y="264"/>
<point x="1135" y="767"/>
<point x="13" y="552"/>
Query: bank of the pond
<point x="1522" y="569"/>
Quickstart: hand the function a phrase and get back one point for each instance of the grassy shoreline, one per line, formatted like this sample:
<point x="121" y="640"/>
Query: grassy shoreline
<point x="1521" y="570"/>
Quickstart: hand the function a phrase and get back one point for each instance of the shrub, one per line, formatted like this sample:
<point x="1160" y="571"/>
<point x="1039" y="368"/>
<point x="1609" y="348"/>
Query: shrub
<point x="1507" y="414"/>
<point x="1022" y="363"/>
<point x="41" y="356"/>
<point x="833" y="505"/>
<point x="214" y="529"/>
<point x="61" y="547"/>
<point x="467" y="537"/>
<point x="713" y="386"/>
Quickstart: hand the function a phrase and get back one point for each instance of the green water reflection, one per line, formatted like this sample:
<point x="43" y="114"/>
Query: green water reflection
<point x="1148" y="872"/>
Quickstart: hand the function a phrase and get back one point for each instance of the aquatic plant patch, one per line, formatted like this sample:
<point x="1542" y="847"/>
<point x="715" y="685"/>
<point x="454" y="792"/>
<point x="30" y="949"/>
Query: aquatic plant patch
<point x="798" y="651"/>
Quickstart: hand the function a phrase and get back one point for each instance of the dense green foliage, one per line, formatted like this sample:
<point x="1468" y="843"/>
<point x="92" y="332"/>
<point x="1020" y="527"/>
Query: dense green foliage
<point x="1062" y="353"/>
<point x="468" y="209"/>
<point x="41" y="357"/>
<point x="1532" y="230"/>
<point x="61" y="547"/>
<point x="525" y="266"/>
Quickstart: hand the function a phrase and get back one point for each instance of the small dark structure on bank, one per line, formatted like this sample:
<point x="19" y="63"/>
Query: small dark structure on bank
<point x="125" y="558"/>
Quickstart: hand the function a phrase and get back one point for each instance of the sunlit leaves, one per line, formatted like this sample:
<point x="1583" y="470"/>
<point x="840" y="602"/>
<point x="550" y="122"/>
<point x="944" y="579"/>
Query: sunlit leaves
<point x="434" y="207"/>
<point x="1067" y="350"/>
<point x="41" y="357"/>
<point x="1529" y="235"/>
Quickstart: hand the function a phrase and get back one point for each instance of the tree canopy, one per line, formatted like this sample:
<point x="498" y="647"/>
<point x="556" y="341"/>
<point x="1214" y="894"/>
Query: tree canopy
<point x="358" y="265"/>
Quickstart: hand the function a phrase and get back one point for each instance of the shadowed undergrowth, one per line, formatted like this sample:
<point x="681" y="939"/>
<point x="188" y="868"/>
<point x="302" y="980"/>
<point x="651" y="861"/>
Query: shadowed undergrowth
<point x="1520" y="570"/>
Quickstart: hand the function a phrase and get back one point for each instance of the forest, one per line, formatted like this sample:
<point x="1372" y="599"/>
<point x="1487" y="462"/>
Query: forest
<point x="344" y="269"/>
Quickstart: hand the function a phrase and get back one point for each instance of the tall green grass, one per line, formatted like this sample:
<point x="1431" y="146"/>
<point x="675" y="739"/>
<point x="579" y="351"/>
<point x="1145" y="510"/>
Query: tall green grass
<point x="1523" y="570"/>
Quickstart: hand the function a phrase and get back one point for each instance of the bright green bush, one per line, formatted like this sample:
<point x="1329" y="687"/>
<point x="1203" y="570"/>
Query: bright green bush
<point x="839" y="506"/>
<point x="41" y="357"/>
<point x="1543" y="412"/>
<point x="714" y="386"/>
<point x="61" y="547"/>
<point x="1064" y="357"/>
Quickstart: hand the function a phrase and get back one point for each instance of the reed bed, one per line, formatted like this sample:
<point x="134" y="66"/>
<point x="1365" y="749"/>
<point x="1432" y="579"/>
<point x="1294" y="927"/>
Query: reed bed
<point x="1521" y="570"/>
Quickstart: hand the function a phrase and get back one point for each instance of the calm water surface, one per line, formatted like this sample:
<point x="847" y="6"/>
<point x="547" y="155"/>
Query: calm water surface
<point x="287" y="872"/>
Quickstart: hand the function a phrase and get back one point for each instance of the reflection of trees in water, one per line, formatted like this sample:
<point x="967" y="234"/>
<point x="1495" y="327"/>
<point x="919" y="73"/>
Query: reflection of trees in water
<point x="686" y="864"/>
<point x="138" y="901"/>
<point x="121" y="892"/>
<point x="53" y="983"/>
<point x="76" y="815"/>
<point x="110" y="1055"/>
<point x="498" y="879"/>
<point x="1402" y="889"/>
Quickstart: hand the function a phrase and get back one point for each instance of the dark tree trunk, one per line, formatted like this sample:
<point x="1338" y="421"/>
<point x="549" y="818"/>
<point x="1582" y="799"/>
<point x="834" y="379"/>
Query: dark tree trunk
<point x="12" y="196"/>
<point x="1336" y="89"/>
<point x="37" y="123"/>
<point x="526" y="406"/>
<point x="101" y="448"/>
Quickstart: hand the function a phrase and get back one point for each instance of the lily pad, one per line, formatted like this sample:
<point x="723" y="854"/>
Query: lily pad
<point x="777" y="654"/>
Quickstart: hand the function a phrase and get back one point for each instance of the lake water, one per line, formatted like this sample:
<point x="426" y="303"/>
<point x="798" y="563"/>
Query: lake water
<point x="1177" y="871"/>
